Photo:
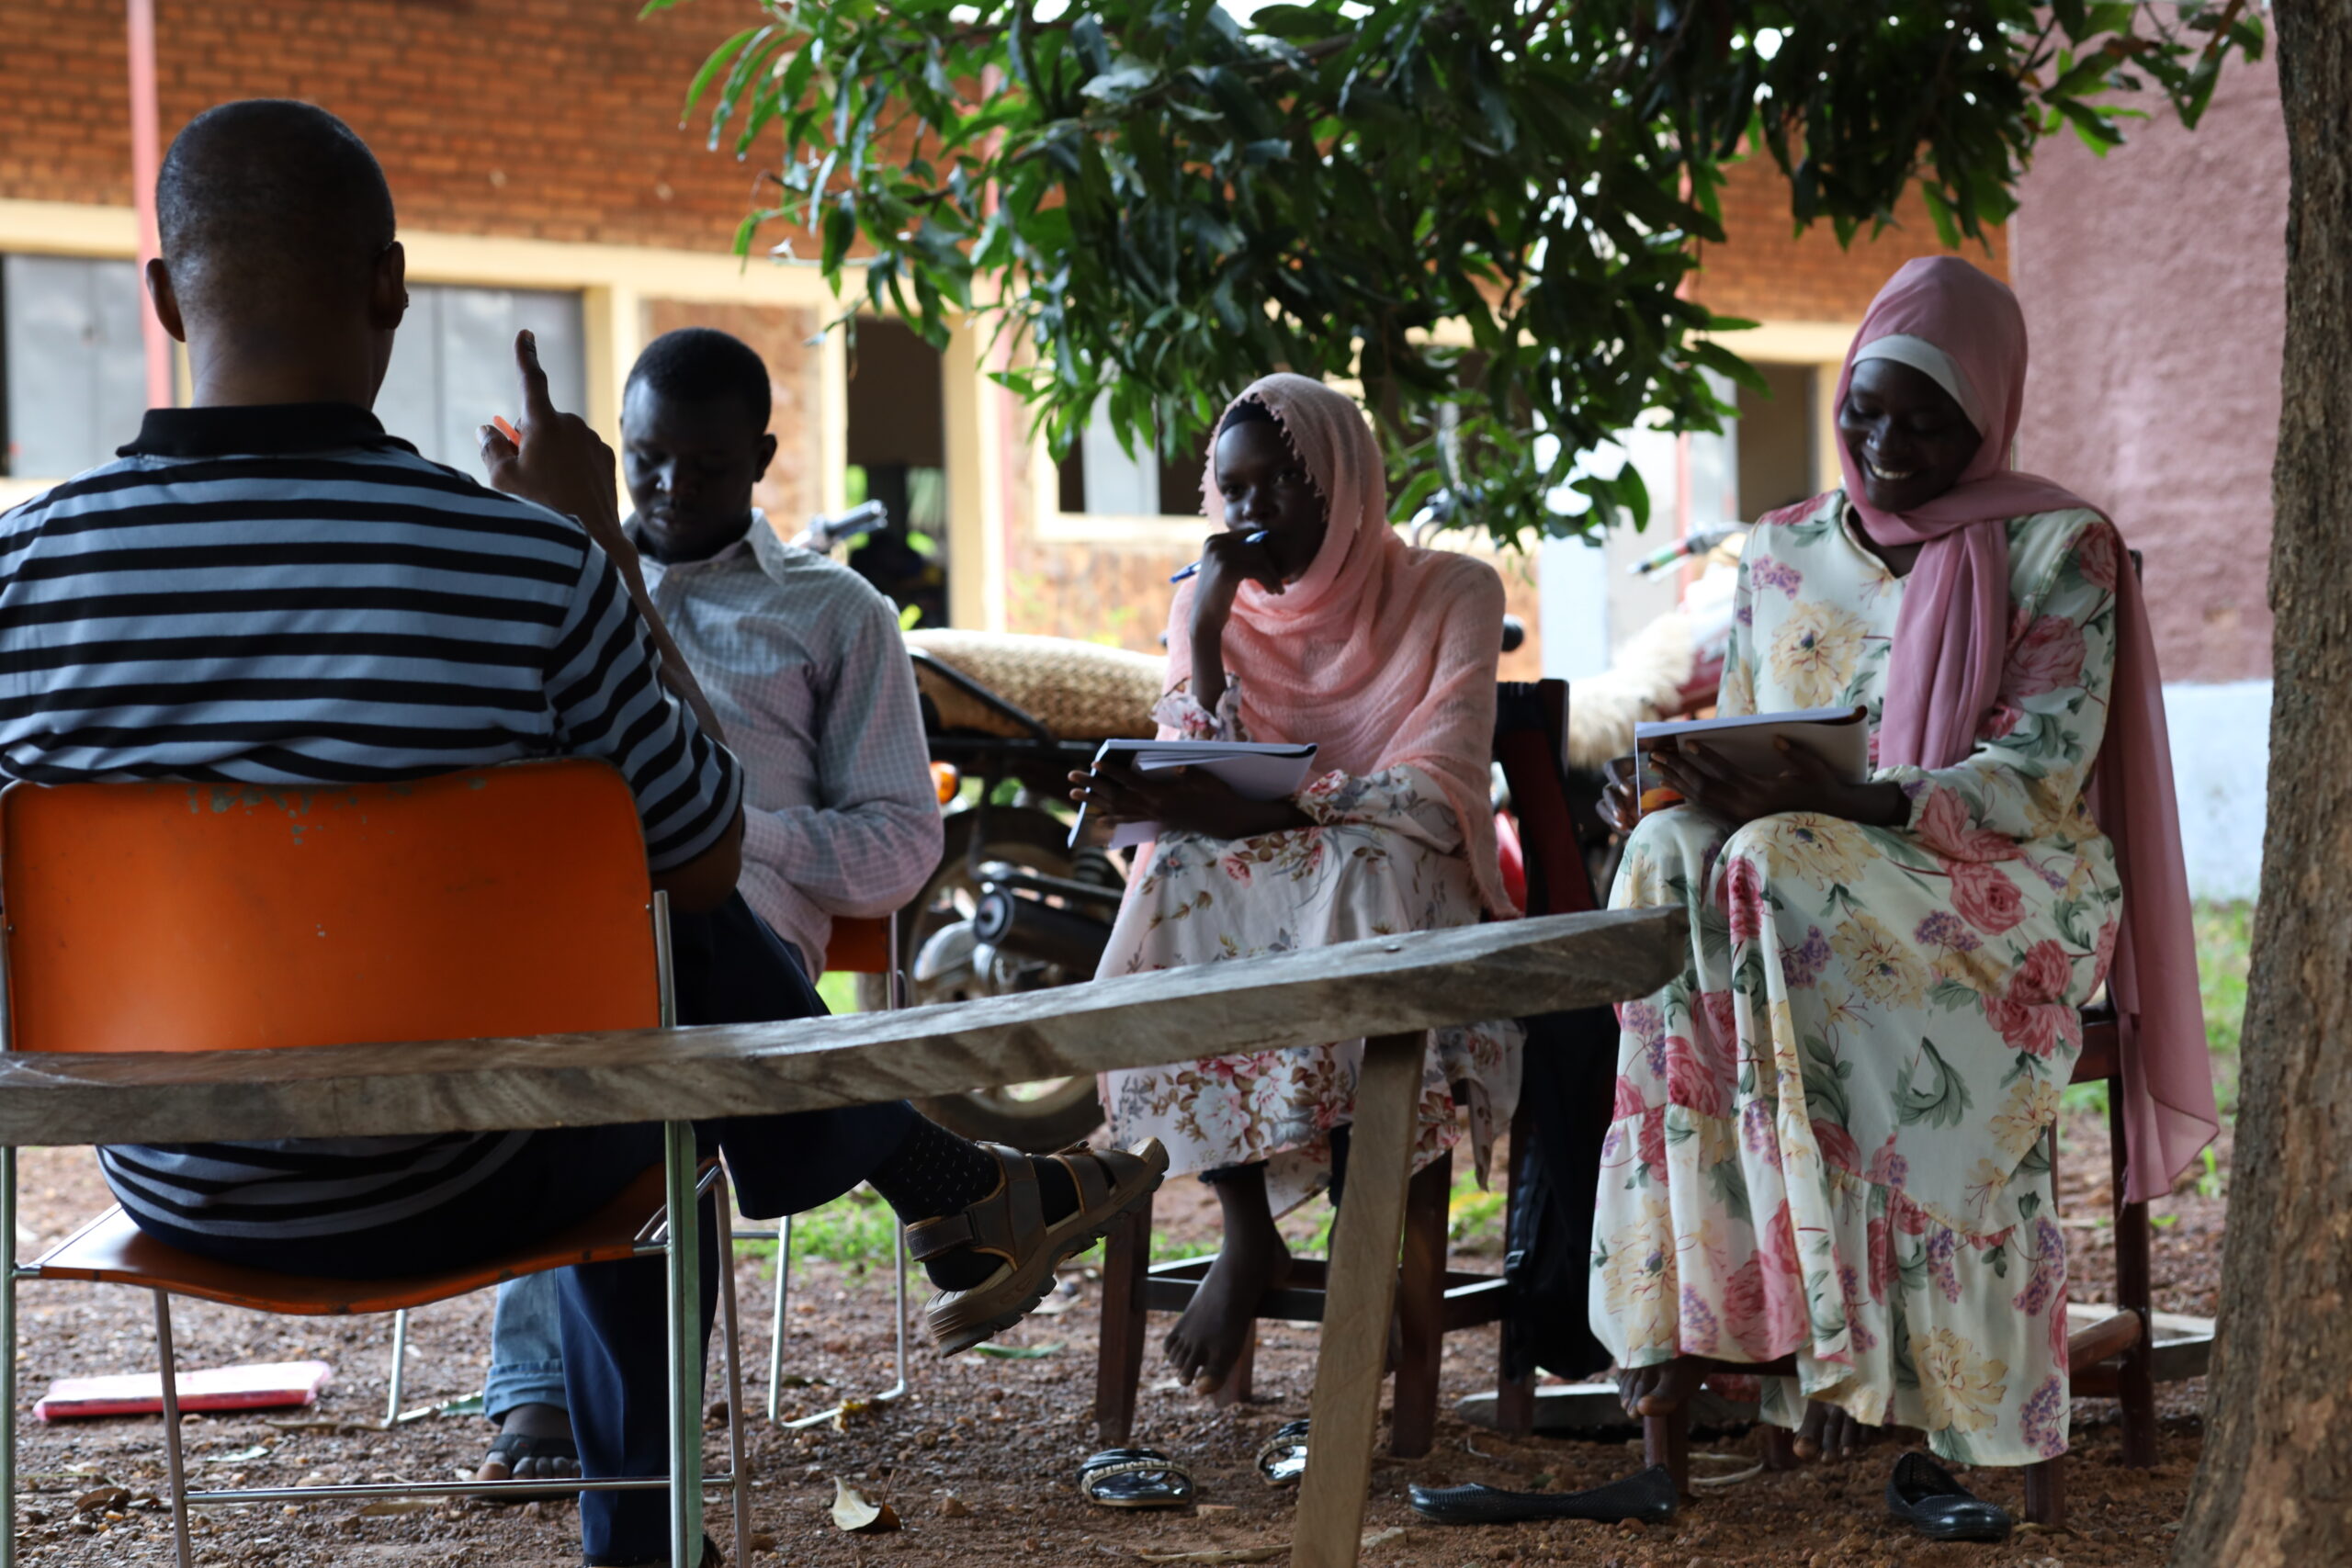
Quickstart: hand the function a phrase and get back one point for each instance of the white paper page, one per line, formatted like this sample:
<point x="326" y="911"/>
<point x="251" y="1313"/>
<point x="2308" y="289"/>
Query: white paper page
<point x="1254" y="770"/>
<point x="1835" y="735"/>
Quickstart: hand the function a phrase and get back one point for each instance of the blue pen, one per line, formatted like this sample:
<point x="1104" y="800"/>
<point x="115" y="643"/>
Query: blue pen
<point x="1256" y="538"/>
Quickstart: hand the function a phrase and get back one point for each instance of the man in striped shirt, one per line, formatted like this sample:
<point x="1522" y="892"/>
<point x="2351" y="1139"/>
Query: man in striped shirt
<point x="269" y="589"/>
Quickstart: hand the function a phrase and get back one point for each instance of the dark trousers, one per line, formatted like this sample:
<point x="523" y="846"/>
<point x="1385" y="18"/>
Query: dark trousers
<point x="731" y="968"/>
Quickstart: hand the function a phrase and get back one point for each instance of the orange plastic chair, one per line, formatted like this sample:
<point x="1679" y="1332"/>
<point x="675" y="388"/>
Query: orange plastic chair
<point x="196" y="917"/>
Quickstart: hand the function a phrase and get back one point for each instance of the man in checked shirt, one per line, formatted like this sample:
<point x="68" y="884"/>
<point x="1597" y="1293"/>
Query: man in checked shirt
<point x="802" y="660"/>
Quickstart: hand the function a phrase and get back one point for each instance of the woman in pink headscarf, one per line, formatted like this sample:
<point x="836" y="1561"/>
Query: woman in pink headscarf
<point x="1309" y="620"/>
<point x="1829" y="1131"/>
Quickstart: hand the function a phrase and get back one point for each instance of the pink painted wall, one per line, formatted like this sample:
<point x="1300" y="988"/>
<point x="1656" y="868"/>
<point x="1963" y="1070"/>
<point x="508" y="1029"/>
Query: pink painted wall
<point x="2154" y="285"/>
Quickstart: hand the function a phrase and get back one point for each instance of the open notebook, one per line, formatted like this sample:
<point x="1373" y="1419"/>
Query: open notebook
<point x="1838" y="736"/>
<point x="1254" y="770"/>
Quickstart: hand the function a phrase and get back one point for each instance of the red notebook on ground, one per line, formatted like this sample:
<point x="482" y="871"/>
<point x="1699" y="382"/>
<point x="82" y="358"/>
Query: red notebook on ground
<point x="271" y="1387"/>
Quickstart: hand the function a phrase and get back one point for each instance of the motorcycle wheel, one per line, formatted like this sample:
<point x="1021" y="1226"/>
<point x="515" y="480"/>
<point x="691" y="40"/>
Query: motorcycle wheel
<point x="1038" y="1118"/>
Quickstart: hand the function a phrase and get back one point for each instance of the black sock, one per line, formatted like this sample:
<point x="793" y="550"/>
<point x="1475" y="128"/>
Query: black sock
<point x="933" y="1173"/>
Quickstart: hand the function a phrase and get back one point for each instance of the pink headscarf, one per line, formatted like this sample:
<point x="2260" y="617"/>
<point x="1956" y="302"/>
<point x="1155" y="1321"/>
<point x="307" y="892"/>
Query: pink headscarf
<point x="1951" y="642"/>
<point x="1380" y="654"/>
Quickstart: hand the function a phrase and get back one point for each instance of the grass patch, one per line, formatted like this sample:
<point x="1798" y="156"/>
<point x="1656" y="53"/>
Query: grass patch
<point x="2225" y="951"/>
<point x="1476" y="1215"/>
<point x="855" y="1231"/>
<point x="838" y="990"/>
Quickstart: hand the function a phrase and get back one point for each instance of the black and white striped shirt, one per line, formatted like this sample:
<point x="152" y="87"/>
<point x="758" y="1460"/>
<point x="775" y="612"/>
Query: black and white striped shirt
<point x="288" y="595"/>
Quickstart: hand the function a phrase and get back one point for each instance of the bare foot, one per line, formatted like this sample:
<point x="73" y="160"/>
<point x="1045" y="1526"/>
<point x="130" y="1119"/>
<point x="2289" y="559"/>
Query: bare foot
<point x="1660" y="1389"/>
<point x="538" y="1426"/>
<point x="1828" y="1433"/>
<point x="1207" y="1340"/>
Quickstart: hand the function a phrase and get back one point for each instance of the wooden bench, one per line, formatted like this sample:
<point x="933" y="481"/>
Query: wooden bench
<point x="1390" y="991"/>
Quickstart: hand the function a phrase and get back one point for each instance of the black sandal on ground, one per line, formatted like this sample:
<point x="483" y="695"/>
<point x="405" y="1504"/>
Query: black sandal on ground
<point x="1925" y="1495"/>
<point x="510" y="1449"/>
<point x="1648" y="1497"/>
<point x="1135" y="1478"/>
<point x="1281" y="1461"/>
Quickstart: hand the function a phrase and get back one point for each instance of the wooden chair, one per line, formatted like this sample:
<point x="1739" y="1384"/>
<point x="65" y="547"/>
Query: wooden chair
<point x="202" y="917"/>
<point x="2114" y="1357"/>
<point x="1434" y="1299"/>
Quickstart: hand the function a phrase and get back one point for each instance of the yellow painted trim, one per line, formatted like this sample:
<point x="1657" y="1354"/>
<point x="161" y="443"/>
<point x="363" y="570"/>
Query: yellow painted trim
<point x="69" y="227"/>
<point x="976" y="511"/>
<point x="833" y="420"/>
<point x="78" y="229"/>
<point x="1792" y="342"/>
<point x="1822" y="345"/>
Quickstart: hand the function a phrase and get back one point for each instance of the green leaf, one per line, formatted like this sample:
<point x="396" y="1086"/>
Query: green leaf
<point x="996" y="1352"/>
<point x="712" y="66"/>
<point x="1122" y="81"/>
<point x="1296" y="21"/>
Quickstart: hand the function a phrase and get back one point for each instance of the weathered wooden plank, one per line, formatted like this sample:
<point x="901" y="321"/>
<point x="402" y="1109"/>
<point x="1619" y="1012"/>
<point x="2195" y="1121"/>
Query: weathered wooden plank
<point x="1386" y="985"/>
<point x="1345" y="1410"/>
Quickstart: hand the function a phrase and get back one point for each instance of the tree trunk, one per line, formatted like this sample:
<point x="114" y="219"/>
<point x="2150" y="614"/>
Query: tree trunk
<point x="2276" y="1485"/>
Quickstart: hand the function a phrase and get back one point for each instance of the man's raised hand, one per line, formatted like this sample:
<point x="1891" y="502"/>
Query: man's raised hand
<point x="556" y="459"/>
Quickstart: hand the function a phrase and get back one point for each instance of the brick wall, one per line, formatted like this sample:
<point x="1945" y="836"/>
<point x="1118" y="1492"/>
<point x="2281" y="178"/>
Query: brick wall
<point x="793" y="491"/>
<point x="553" y="119"/>
<point x="1766" y="273"/>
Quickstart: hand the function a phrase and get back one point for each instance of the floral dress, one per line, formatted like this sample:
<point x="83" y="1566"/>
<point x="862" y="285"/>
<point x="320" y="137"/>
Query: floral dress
<point x="1828" y="1137"/>
<point x="1385" y="856"/>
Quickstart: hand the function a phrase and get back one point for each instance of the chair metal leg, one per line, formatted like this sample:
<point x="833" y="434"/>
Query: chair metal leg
<point x="775" y="1333"/>
<point x="899" y="1286"/>
<point x="686" y="1345"/>
<point x="399" y="1380"/>
<point x="173" y="1463"/>
<point x="8" y="1359"/>
<point x="740" y="1486"/>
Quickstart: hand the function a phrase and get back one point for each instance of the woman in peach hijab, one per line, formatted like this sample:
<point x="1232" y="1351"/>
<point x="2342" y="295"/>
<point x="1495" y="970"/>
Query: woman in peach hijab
<point x="1309" y="620"/>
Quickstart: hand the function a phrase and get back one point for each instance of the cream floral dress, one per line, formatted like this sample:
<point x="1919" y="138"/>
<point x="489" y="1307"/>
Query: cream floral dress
<point x="1385" y="856"/>
<point x="1828" y="1136"/>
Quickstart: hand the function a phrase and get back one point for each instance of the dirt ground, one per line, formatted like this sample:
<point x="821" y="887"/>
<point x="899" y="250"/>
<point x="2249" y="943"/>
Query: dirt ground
<point x="1002" y="1438"/>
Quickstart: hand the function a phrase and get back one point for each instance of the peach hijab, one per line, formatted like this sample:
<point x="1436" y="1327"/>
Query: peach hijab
<point x="1964" y="329"/>
<point x="1383" y="655"/>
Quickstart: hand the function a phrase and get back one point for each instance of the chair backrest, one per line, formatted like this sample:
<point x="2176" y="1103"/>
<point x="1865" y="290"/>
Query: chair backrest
<point x="859" y="946"/>
<point x="1531" y="721"/>
<point x="185" y="916"/>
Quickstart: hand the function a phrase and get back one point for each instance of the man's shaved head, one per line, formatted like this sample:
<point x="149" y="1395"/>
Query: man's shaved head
<point x="270" y="207"/>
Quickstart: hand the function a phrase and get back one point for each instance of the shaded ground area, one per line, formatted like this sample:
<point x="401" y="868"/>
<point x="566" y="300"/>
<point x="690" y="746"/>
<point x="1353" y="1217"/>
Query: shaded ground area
<point x="1002" y="1438"/>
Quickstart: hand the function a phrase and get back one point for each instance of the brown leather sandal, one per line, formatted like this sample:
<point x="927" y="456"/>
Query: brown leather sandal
<point x="1010" y="1224"/>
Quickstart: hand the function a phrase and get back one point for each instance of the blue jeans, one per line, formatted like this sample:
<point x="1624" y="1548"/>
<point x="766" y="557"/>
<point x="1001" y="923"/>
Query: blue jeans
<point x="611" y="1318"/>
<point x="525" y="1347"/>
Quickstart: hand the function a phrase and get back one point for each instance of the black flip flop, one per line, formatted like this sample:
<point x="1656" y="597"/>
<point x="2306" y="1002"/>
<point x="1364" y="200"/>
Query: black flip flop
<point x="1135" y="1478"/>
<point x="1648" y="1497"/>
<point x="511" y="1447"/>
<point x="1281" y="1461"/>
